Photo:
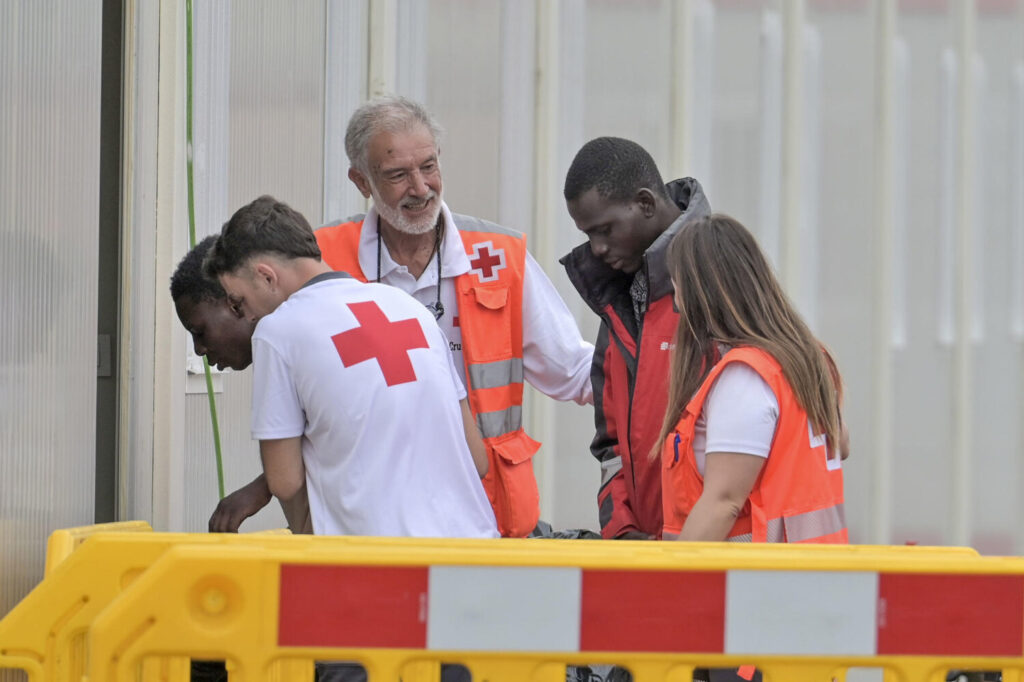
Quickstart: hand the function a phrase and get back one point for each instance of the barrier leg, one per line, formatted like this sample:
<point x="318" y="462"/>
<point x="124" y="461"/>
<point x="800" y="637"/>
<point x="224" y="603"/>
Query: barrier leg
<point x="516" y="670"/>
<point x="421" y="671"/>
<point x="32" y="667"/>
<point x="797" y="672"/>
<point x="656" y="671"/>
<point x="292" y="670"/>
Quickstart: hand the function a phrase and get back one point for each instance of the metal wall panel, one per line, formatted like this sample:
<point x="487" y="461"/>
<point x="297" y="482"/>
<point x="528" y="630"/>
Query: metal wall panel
<point x="922" y="474"/>
<point x="277" y="103"/>
<point x="462" y="87"/>
<point x="628" y="75"/>
<point x="49" y="212"/>
<point x="744" y="67"/>
<point x="844" y="254"/>
<point x="997" y="437"/>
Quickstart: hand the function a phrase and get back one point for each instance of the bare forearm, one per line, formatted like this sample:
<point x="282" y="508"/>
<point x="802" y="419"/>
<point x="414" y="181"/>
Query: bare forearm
<point x="240" y="505"/>
<point x="710" y="521"/>
<point x="728" y="479"/>
<point x="296" y="512"/>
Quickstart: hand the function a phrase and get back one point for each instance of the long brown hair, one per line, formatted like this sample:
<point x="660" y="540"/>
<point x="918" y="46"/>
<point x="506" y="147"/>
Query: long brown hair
<point x="730" y="296"/>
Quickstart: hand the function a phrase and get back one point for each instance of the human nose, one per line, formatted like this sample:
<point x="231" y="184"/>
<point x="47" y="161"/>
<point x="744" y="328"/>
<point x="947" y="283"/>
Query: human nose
<point x="598" y="247"/>
<point x="198" y="347"/>
<point x="418" y="184"/>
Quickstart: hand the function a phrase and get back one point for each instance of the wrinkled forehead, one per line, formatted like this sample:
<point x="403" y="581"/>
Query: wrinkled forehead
<point x="408" y="143"/>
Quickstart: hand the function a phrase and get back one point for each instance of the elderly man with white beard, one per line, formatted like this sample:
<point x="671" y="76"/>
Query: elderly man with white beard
<point x="502" y="316"/>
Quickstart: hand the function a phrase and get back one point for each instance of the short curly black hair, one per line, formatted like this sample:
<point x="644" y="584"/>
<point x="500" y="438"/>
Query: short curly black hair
<point x="617" y="168"/>
<point x="188" y="278"/>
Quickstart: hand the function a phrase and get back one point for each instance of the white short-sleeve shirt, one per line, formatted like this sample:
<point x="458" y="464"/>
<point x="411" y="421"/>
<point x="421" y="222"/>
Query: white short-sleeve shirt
<point x="364" y="375"/>
<point x="740" y="415"/>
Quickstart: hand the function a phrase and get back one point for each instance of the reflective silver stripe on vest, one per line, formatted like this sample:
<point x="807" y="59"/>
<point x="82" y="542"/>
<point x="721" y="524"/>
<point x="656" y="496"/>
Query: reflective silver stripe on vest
<point x="496" y="374"/>
<point x="807" y="526"/>
<point x="499" y="422"/>
<point x="746" y="537"/>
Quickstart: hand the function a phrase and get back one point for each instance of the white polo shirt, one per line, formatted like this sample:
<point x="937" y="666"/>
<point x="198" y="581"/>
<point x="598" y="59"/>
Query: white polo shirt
<point x="364" y="375"/>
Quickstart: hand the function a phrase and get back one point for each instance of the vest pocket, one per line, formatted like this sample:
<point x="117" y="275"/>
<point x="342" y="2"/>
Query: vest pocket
<point x="488" y="327"/>
<point x="676" y="486"/>
<point x="511" y="485"/>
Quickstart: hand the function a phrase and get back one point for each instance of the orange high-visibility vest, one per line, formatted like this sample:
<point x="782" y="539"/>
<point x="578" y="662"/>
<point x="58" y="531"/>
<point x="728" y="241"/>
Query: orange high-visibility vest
<point x="798" y="496"/>
<point x="491" y="321"/>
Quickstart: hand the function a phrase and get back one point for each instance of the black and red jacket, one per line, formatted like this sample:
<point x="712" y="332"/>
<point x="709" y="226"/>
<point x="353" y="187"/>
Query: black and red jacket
<point x="630" y="372"/>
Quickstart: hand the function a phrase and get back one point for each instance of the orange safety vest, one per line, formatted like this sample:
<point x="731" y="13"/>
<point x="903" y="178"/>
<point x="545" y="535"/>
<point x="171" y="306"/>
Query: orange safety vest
<point x="798" y="496"/>
<point x="491" y="321"/>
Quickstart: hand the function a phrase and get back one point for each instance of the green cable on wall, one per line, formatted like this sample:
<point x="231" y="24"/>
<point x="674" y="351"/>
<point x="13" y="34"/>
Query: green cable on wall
<point x="192" y="230"/>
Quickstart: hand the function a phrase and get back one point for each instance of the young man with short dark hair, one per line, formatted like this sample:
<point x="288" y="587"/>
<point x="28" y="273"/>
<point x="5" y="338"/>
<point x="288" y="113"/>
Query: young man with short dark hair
<point x="618" y="200"/>
<point x="356" y="402"/>
<point x="224" y="337"/>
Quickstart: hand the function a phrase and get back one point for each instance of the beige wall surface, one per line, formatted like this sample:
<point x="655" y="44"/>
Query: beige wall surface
<point x="49" y="231"/>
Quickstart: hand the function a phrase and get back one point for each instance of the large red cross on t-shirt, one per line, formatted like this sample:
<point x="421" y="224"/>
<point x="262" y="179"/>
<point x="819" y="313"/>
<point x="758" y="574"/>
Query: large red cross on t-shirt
<point x="378" y="338"/>
<point x="486" y="262"/>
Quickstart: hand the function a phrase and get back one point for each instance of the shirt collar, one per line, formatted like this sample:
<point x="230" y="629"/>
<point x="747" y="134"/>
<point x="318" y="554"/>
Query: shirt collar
<point x="454" y="261"/>
<point x="324" y="276"/>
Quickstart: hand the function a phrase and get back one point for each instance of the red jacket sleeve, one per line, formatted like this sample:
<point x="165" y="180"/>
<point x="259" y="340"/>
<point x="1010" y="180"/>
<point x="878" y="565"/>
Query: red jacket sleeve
<point x="615" y="511"/>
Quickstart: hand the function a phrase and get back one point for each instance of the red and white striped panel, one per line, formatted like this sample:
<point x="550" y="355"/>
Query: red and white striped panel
<point x="552" y="609"/>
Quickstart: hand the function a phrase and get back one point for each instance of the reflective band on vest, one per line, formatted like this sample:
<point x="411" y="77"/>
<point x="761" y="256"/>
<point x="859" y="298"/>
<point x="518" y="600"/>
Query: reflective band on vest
<point x="500" y="422"/>
<point x="802" y="527"/>
<point x="807" y="526"/>
<point x="495" y="374"/>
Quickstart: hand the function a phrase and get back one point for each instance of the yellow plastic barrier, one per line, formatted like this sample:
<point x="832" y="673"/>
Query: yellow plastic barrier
<point x="523" y="609"/>
<point x="45" y="634"/>
<point x="62" y="543"/>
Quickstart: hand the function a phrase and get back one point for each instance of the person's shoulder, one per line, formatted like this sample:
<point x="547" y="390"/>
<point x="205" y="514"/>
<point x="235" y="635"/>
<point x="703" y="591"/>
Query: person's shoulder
<point x="330" y="225"/>
<point x="468" y="223"/>
<point x="755" y="359"/>
<point x="273" y="326"/>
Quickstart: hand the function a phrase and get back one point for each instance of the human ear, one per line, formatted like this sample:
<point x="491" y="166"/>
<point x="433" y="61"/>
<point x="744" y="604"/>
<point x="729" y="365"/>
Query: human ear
<point x="645" y="200"/>
<point x="266" y="273"/>
<point x="360" y="181"/>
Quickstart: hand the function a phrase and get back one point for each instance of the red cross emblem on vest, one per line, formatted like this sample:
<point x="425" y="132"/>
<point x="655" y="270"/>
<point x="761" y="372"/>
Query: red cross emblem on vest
<point x="486" y="261"/>
<point x="378" y="338"/>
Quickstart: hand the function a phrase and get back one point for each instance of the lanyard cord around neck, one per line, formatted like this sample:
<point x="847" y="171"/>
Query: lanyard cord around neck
<point x="436" y="308"/>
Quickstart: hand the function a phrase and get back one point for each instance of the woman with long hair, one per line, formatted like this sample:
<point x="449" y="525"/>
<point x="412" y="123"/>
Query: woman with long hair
<point x="753" y="438"/>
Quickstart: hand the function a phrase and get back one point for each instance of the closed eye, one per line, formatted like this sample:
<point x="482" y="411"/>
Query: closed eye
<point x="236" y="305"/>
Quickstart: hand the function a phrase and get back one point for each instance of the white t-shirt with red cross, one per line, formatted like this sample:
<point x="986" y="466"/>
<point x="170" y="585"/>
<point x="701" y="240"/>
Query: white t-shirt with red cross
<point x="363" y="373"/>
